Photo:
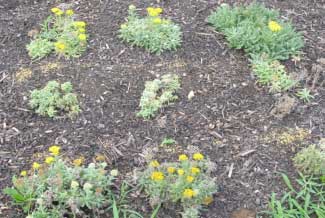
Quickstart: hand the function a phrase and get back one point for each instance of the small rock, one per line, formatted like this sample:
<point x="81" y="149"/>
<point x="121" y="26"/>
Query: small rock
<point x="190" y="95"/>
<point x="243" y="213"/>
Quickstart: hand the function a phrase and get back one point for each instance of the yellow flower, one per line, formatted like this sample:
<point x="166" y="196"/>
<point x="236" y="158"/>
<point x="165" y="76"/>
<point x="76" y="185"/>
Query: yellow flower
<point x="154" y="163"/>
<point x="208" y="200"/>
<point x="36" y="166"/>
<point x="23" y="173"/>
<point x="54" y="149"/>
<point x="189" y="179"/>
<point x="154" y="12"/>
<point x="80" y="24"/>
<point x="123" y="26"/>
<point x="82" y="30"/>
<point x="82" y="37"/>
<point x="275" y="26"/>
<point x="189" y="193"/>
<point x="198" y="156"/>
<point x="69" y="12"/>
<point x="157" y="176"/>
<point x="171" y="170"/>
<point x="195" y="170"/>
<point x="157" y="20"/>
<point x="180" y="172"/>
<point x="60" y="46"/>
<point x="57" y="11"/>
<point x="78" y="162"/>
<point x="49" y="160"/>
<point x="182" y="157"/>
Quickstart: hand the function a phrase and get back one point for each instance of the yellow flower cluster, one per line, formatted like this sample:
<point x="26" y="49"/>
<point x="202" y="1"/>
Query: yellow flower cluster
<point x="274" y="26"/>
<point x="49" y="160"/>
<point x="60" y="46"/>
<point x="55" y="150"/>
<point x="78" y="162"/>
<point x="154" y="163"/>
<point x="154" y="12"/>
<point x="59" y="12"/>
<point x="189" y="193"/>
<point x="157" y="176"/>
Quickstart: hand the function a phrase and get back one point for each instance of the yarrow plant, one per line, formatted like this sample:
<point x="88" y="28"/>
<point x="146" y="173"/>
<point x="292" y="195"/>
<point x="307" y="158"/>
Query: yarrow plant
<point x="56" y="189"/>
<point x="257" y="30"/>
<point x="151" y="102"/>
<point x="152" y="32"/>
<point x="187" y="181"/>
<point x="59" y="33"/>
<point x="55" y="97"/>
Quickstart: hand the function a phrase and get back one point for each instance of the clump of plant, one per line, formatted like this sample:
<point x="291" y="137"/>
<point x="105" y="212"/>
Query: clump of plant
<point x="257" y="30"/>
<point x="152" y="32"/>
<point x="188" y="182"/>
<point x="55" y="189"/>
<point x="271" y="73"/>
<point x="59" y="33"/>
<point x="306" y="201"/>
<point x="151" y="101"/>
<point x="311" y="160"/>
<point x="305" y="95"/>
<point x="55" y="97"/>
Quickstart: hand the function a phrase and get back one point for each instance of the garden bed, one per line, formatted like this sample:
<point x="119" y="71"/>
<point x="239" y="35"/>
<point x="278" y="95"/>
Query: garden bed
<point x="229" y="118"/>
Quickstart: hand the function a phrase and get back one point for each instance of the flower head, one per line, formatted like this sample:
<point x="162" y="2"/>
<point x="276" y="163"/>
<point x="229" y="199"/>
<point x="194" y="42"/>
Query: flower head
<point x="49" y="160"/>
<point x="189" y="179"/>
<point x="157" y="176"/>
<point x="69" y="12"/>
<point x="132" y="7"/>
<point x="114" y="172"/>
<point x="87" y="186"/>
<point x="171" y="170"/>
<point x="208" y="200"/>
<point x="180" y="172"/>
<point x="74" y="184"/>
<point x="57" y="11"/>
<point x="82" y="37"/>
<point x="36" y="166"/>
<point x="79" y="24"/>
<point x="23" y="173"/>
<point x="195" y="170"/>
<point x="189" y="193"/>
<point x="154" y="12"/>
<point x="154" y="163"/>
<point x="123" y="26"/>
<point x="54" y="149"/>
<point x="157" y="20"/>
<point x="81" y="30"/>
<point x="182" y="157"/>
<point x="274" y="26"/>
<point x="198" y="156"/>
<point x="78" y="162"/>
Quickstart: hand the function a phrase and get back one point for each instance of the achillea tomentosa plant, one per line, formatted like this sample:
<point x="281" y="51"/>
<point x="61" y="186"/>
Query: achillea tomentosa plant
<point x="271" y="73"/>
<point x="55" y="97"/>
<point x="150" y="102"/>
<point x="59" y="33"/>
<point x="257" y="30"/>
<point x="152" y="32"/>
<point x="54" y="189"/>
<point x="188" y="181"/>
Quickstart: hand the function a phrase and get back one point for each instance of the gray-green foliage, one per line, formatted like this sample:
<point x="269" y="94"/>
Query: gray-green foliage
<point x="151" y="102"/>
<point x="39" y="48"/>
<point x="154" y="36"/>
<point x="54" y="98"/>
<point x="246" y="27"/>
<point x="59" y="190"/>
<point x="305" y="95"/>
<point x="271" y="73"/>
<point x="311" y="160"/>
<point x="305" y="201"/>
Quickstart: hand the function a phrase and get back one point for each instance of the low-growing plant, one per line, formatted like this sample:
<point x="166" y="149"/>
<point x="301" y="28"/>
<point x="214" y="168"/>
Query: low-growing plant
<point x="311" y="160"/>
<point x="152" y="32"/>
<point x="55" y="189"/>
<point x="55" y="97"/>
<point x="305" y="95"/>
<point x="59" y="33"/>
<point x="151" y="102"/>
<point x="257" y="30"/>
<point x="167" y="141"/>
<point x="188" y="182"/>
<point x="271" y="73"/>
<point x="306" y="201"/>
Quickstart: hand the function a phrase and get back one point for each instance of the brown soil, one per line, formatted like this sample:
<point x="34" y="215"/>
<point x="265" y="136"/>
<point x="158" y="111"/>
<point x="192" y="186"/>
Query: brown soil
<point x="228" y="118"/>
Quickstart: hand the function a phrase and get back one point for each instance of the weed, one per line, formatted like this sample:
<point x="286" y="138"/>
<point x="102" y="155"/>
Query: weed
<point x="150" y="102"/>
<point x="168" y="141"/>
<point x="304" y="94"/>
<point x="151" y="32"/>
<point x="54" y="97"/>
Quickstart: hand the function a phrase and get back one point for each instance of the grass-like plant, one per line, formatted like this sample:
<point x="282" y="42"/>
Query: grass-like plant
<point x="151" y="101"/>
<point x="56" y="189"/>
<point x="55" y="97"/>
<point x="59" y="33"/>
<point x="152" y="32"/>
<point x="271" y="73"/>
<point x="257" y="30"/>
<point x="305" y="95"/>
<point x="311" y="160"/>
<point x="306" y="201"/>
<point x="187" y="182"/>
